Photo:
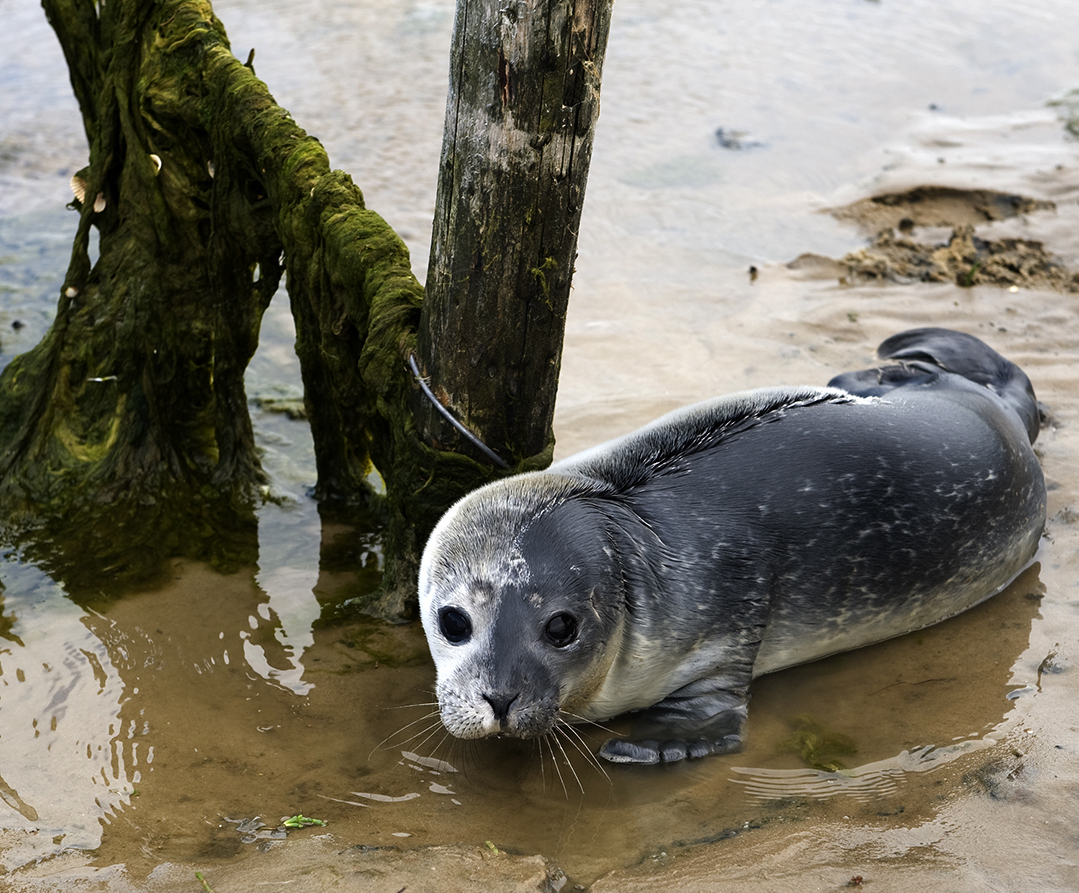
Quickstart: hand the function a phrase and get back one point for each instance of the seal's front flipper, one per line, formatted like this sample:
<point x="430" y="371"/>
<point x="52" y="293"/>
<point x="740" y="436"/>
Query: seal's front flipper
<point x="681" y="728"/>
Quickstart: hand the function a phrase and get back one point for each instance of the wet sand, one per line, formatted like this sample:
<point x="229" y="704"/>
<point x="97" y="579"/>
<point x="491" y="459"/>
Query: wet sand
<point x="135" y="735"/>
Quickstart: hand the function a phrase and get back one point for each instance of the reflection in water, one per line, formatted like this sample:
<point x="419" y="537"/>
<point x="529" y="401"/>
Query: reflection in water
<point x="69" y="762"/>
<point x="291" y="611"/>
<point x="423" y="765"/>
<point x="90" y="697"/>
<point x="867" y="783"/>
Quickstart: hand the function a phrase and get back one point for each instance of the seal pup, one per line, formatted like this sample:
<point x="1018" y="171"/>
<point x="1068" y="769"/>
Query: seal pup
<point x="660" y="572"/>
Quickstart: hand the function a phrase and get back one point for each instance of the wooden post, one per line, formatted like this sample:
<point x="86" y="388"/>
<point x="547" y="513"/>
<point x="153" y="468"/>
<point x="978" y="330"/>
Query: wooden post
<point x="520" y="117"/>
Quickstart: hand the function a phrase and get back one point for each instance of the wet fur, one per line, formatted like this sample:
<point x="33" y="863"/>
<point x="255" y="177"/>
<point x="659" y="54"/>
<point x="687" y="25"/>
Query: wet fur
<point x="733" y="538"/>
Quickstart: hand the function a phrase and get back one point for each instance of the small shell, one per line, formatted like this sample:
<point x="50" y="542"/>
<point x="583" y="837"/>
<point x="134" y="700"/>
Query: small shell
<point x="71" y="291"/>
<point x="78" y="187"/>
<point x="156" y="159"/>
<point x="99" y="203"/>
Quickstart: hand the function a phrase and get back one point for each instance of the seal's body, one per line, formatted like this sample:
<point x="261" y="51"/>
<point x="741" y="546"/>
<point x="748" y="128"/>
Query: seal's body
<point x="662" y="571"/>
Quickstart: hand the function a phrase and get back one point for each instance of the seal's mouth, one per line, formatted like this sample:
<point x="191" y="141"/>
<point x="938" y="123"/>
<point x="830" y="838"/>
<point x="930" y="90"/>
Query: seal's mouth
<point x="516" y="718"/>
<point x="521" y="733"/>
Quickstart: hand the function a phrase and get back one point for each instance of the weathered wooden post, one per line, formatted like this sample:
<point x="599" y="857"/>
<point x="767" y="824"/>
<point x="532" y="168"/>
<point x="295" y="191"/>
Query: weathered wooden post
<point x="520" y="118"/>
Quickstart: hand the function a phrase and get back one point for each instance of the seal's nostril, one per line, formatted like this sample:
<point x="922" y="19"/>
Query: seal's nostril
<point x="500" y="704"/>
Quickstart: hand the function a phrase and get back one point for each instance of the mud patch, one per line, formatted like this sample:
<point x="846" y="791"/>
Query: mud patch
<point x="965" y="258"/>
<point x="937" y="206"/>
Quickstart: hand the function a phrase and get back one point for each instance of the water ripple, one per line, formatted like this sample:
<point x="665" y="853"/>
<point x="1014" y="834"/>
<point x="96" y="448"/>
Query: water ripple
<point x="864" y="783"/>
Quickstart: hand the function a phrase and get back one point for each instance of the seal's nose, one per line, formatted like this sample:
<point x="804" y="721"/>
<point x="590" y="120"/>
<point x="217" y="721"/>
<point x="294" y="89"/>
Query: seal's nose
<point x="500" y="705"/>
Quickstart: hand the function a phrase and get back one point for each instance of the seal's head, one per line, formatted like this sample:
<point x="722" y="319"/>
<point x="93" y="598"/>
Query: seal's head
<point x="520" y="600"/>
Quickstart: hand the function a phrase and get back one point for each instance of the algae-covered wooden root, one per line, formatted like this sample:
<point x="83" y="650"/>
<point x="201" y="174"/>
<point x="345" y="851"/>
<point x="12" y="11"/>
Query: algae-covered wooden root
<point x="125" y="435"/>
<point x="132" y="411"/>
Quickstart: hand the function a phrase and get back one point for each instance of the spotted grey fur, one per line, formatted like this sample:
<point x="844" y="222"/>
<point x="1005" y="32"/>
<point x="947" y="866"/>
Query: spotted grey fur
<point x="732" y="538"/>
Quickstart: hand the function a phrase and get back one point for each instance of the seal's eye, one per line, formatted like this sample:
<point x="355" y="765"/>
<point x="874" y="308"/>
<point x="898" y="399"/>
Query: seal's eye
<point x="561" y="629"/>
<point x="454" y="624"/>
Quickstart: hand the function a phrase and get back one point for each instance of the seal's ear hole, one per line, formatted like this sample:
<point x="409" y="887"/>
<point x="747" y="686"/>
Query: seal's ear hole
<point x="561" y="629"/>
<point x="454" y="625"/>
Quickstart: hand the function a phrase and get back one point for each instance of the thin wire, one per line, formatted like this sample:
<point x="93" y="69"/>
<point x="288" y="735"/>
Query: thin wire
<point x="472" y="438"/>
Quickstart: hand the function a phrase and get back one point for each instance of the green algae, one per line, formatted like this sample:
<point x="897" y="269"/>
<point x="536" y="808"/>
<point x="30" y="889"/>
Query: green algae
<point x="818" y="747"/>
<point x="125" y="436"/>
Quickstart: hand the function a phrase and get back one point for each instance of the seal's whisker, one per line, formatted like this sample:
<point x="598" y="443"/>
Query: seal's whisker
<point x="442" y="741"/>
<point x="382" y="745"/>
<point x="577" y="740"/>
<point x="546" y="739"/>
<point x="543" y="771"/>
<point x="408" y="706"/>
<point x="554" y="762"/>
<point x="569" y="765"/>
<point x="423" y="718"/>
<point x="436" y="748"/>
<point x="426" y="730"/>
<point x="581" y="747"/>
<point x="431" y="731"/>
<point x="589" y="722"/>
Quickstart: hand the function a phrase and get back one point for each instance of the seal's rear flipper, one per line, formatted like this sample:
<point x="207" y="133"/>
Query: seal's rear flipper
<point x="925" y="353"/>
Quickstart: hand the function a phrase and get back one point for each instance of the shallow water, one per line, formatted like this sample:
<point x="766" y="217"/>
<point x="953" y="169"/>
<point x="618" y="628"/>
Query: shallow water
<point x="142" y="731"/>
